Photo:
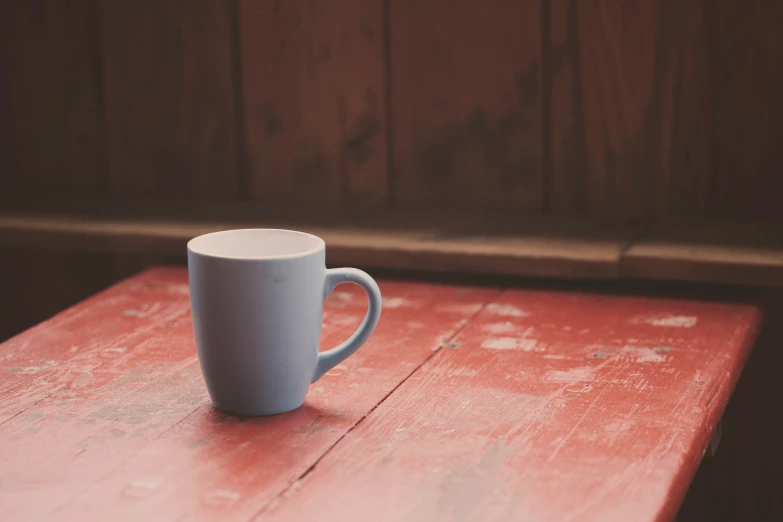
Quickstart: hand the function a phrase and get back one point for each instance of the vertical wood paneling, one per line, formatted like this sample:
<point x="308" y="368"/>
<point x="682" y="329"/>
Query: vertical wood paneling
<point x="171" y="123"/>
<point x="628" y="128"/>
<point x="466" y="102"/>
<point x="746" y="109"/>
<point x="314" y="100"/>
<point x="50" y="114"/>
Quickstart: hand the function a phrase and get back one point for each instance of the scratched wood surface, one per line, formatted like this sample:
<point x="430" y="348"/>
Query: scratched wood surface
<point x="314" y="100"/>
<point x="546" y="407"/>
<point x="103" y="408"/>
<point x="467" y="403"/>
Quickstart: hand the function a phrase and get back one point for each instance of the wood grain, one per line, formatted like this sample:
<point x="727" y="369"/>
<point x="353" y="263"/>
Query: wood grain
<point x="51" y="119"/>
<point x="547" y="407"/>
<point x="169" y="95"/>
<point x="628" y="108"/>
<point x="541" y="248"/>
<point x="314" y="101"/>
<point x="729" y="253"/>
<point x="746" y="110"/>
<point x="466" y="103"/>
<point x="104" y="411"/>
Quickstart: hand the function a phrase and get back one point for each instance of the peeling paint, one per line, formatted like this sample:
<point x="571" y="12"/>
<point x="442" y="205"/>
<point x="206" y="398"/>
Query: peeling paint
<point x="506" y="310"/>
<point x="513" y="343"/>
<point x="499" y="328"/>
<point x="674" y="321"/>
<point x="46" y="365"/>
<point x="643" y="354"/>
<point x="398" y="302"/>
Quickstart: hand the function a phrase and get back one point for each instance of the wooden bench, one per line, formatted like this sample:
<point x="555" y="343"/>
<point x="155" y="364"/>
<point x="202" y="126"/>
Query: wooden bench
<point x="468" y="403"/>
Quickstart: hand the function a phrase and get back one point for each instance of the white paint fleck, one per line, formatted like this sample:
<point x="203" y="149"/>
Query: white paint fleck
<point x="221" y="498"/>
<point x="643" y="354"/>
<point x="514" y="343"/>
<point x="618" y="427"/>
<point x="571" y="375"/>
<point x="343" y="296"/>
<point x="675" y="321"/>
<point x="112" y="352"/>
<point x="337" y="370"/>
<point x="46" y="365"/>
<point x="499" y="328"/>
<point x="558" y="356"/>
<point x="178" y="289"/>
<point x="145" y="311"/>
<point x="398" y="302"/>
<point x="140" y="488"/>
<point x="507" y="310"/>
<point x="74" y="349"/>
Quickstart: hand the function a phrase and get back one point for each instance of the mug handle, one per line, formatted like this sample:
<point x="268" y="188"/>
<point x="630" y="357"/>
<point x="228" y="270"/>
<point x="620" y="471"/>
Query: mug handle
<point x="336" y="276"/>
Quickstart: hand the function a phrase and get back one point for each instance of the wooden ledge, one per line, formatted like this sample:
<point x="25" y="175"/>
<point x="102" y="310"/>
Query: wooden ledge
<point x="509" y="247"/>
<point x="486" y="244"/>
<point x="725" y="253"/>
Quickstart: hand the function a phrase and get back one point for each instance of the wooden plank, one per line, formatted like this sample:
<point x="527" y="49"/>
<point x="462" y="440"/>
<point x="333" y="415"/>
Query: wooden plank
<point x="746" y="79"/>
<point x="169" y="92"/>
<point x="104" y="411"/>
<point x="314" y="100"/>
<point x="548" y="407"/>
<point x="727" y="253"/>
<point x="51" y="120"/>
<point x="466" y="103"/>
<point x="545" y="248"/>
<point x="628" y="108"/>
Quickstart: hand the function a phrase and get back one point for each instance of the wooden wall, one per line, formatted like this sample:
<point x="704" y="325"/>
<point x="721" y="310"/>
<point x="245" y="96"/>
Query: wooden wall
<point x="640" y="110"/>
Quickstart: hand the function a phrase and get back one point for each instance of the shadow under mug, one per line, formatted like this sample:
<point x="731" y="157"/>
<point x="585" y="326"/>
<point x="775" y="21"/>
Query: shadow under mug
<point x="257" y="304"/>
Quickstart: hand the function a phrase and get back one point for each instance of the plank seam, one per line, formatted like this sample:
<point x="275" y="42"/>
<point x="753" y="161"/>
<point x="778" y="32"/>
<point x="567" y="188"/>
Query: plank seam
<point x="260" y="513"/>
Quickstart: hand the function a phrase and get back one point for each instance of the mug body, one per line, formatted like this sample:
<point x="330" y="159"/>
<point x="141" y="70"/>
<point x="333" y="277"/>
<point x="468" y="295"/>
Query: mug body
<point x="257" y="305"/>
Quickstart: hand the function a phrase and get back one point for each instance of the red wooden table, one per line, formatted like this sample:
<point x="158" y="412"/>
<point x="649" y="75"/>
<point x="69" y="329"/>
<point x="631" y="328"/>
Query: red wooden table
<point x="466" y="404"/>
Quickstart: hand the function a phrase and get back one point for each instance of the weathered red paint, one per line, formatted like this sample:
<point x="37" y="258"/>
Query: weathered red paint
<point x="105" y="414"/>
<point x="555" y="406"/>
<point x="552" y="407"/>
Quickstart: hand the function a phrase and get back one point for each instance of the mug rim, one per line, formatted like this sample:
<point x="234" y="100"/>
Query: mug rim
<point x="321" y="245"/>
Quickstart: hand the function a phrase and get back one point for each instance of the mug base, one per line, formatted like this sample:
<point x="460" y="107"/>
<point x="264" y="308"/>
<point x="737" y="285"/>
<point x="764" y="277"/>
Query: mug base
<point x="255" y="413"/>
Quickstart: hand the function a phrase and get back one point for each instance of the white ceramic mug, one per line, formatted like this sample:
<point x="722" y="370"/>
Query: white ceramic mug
<point x="257" y="304"/>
